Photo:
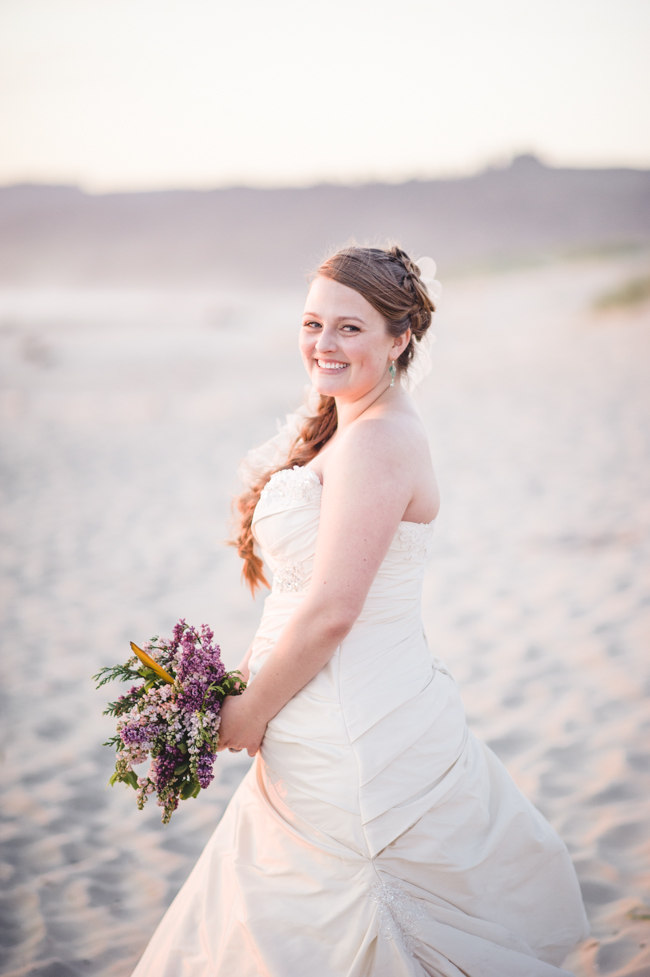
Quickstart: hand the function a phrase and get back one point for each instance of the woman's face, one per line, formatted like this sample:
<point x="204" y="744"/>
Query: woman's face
<point x="345" y="345"/>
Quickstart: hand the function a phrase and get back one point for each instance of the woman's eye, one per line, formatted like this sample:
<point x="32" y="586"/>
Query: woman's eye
<point x="352" y="328"/>
<point x="312" y="325"/>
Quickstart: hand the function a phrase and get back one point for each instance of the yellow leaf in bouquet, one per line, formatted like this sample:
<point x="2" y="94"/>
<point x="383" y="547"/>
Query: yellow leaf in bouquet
<point x="150" y="663"/>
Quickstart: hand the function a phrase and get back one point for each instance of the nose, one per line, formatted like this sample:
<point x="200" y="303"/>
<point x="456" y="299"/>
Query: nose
<point x="326" y="342"/>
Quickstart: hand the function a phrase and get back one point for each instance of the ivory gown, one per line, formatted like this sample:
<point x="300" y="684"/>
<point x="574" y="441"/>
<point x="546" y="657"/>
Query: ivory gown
<point x="374" y="835"/>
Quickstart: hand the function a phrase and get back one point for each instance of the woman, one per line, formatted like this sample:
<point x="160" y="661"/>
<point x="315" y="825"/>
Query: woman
<point x="374" y="835"/>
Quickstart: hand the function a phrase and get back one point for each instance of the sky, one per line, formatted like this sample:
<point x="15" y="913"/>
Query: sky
<point x="149" y="94"/>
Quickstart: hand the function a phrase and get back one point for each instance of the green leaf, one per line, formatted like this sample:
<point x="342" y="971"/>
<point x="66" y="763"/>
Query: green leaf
<point x="129" y="777"/>
<point x="115" y="741"/>
<point x="181" y="768"/>
<point x="189" y="789"/>
<point x="120" y="673"/>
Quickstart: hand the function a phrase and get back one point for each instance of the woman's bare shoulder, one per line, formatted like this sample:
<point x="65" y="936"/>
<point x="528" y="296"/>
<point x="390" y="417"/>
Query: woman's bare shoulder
<point x="390" y="454"/>
<point x="394" y="433"/>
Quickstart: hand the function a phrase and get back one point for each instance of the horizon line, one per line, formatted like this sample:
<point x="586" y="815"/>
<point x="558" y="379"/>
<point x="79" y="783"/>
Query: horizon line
<point x="517" y="160"/>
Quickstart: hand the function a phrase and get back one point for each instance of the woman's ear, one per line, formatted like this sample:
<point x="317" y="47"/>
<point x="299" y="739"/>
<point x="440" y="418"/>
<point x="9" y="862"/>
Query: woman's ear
<point x="401" y="342"/>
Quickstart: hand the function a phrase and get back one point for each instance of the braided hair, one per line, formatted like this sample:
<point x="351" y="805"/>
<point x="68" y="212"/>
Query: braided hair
<point x="390" y="282"/>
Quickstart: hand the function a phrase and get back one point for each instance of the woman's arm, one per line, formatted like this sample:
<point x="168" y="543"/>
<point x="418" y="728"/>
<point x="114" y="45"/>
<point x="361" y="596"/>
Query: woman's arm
<point x="366" y="492"/>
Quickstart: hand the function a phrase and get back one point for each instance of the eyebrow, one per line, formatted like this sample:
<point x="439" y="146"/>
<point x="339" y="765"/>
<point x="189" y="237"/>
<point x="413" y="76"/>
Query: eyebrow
<point x="339" y="318"/>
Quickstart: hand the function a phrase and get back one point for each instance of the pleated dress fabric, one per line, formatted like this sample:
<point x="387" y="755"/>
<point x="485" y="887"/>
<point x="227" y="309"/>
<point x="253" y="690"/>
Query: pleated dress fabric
<point x="374" y="835"/>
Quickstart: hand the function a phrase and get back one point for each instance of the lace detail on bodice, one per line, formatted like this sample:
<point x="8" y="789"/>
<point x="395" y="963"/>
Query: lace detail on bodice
<point x="398" y="914"/>
<point x="289" y="576"/>
<point x="292" y="486"/>
<point x="301" y="486"/>
<point x="416" y="538"/>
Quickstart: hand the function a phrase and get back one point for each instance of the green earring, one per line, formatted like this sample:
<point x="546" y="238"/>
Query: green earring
<point x="392" y="369"/>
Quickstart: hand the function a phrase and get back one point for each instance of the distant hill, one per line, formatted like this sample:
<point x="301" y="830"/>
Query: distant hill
<point x="61" y="235"/>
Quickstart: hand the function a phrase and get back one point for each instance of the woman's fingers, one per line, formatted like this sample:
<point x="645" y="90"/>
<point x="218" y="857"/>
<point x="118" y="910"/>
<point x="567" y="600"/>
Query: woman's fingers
<point x="235" y="745"/>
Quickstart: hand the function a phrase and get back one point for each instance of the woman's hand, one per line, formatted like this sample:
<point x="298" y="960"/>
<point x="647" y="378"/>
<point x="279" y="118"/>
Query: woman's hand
<point x="241" y="726"/>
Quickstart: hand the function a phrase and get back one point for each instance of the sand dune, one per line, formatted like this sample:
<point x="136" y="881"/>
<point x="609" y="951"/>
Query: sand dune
<point x="123" y="416"/>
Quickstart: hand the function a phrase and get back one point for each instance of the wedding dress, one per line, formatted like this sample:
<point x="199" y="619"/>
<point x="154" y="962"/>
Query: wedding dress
<point x="374" y="835"/>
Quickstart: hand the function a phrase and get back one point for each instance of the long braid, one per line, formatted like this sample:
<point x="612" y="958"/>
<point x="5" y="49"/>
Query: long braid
<point x="315" y="432"/>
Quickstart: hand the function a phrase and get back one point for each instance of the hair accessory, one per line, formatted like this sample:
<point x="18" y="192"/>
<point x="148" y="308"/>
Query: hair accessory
<point x="392" y="369"/>
<point x="427" y="268"/>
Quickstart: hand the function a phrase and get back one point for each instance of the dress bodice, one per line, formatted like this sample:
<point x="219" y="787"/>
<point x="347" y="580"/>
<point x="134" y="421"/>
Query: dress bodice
<point x="286" y="524"/>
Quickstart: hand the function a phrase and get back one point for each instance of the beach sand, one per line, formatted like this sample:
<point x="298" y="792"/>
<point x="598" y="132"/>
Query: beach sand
<point x="123" y="416"/>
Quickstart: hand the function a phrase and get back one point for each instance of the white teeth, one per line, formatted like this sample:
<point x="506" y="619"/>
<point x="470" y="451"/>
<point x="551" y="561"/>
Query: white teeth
<point x="326" y="365"/>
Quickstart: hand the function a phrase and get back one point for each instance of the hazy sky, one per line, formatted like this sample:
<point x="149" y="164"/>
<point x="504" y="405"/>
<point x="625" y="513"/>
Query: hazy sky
<point x="160" y="93"/>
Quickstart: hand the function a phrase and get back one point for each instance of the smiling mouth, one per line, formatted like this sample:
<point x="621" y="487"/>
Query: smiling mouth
<point x="331" y="365"/>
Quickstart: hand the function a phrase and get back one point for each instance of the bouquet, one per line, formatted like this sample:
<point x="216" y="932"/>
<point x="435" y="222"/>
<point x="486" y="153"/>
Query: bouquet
<point x="171" y="718"/>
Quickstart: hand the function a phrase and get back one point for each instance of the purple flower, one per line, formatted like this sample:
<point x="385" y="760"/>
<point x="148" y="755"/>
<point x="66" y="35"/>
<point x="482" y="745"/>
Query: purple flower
<point x="205" y="768"/>
<point x="135" y="733"/>
<point x="162" y="767"/>
<point x="198" y="667"/>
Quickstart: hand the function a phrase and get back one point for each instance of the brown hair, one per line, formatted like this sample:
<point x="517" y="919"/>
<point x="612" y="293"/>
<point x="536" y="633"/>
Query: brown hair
<point x="390" y="281"/>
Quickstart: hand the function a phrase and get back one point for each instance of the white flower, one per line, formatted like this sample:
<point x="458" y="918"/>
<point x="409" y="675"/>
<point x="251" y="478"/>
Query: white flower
<point x="427" y="269"/>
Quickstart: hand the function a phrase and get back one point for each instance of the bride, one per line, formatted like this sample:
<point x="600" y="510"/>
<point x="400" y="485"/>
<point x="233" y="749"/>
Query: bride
<point x="374" y="835"/>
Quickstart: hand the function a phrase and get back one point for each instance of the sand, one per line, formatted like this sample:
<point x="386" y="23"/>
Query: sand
<point x="123" y="416"/>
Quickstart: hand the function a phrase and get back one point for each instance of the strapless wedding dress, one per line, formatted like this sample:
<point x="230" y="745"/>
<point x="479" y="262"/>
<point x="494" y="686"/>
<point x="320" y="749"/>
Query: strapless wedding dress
<point x="374" y="835"/>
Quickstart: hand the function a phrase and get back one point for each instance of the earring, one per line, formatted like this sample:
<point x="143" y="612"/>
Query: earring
<point x="392" y="369"/>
